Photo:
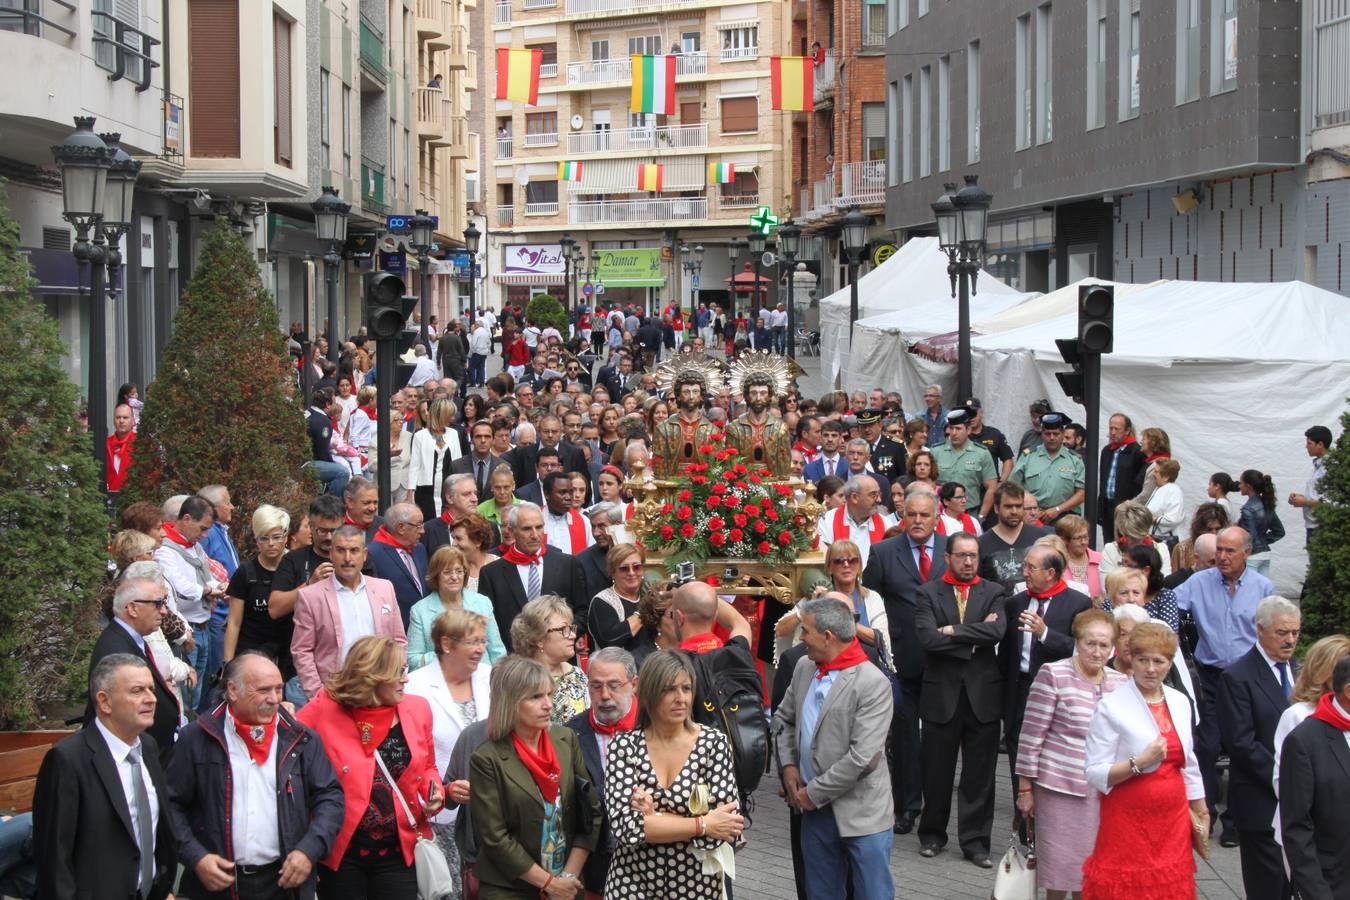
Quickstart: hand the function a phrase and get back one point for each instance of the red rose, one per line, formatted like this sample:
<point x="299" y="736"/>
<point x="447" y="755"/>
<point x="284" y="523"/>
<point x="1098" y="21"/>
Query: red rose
<point x="714" y="501"/>
<point x="705" y="449"/>
<point x="771" y="514"/>
<point x="737" y="534"/>
<point x="698" y="479"/>
<point x="731" y="501"/>
<point x="742" y="486"/>
<point x="763" y="548"/>
<point x="783" y="490"/>
<point x="686" y="531"/>
<point x="751" y="509"/>
<point x="728" y="475"/>
<point x="684" y="496"/>
<point x="717" y="539"/>
<point x="784" y="538"/>
<point x="739" y="468"/>
<point x="739" y="519"/>
<point x="666" y="508"/>
<point x="718" y="488"/>
<point x="716" y="523"/>
<point x="764" y="473"/>
<point x="760" y="527"/>
<point x="732" y="451"/>
<point x="667" y="532"/>
<point x="717" y="437"/>
<point x="712" y="581"/>
<point x="684" y="514"/>
<point x="797" y="521"/>
<point x="755" y="479"/>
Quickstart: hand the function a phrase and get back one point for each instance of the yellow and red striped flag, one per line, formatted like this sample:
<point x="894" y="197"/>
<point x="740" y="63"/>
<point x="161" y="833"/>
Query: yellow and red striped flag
<point x="518" y="74"/>
<point x="649" y="177"/>
<point x="721" y="173"/>
<point x="653" y="85"/>
<point x="569" y="171"/>
<point x="792" y="82"/>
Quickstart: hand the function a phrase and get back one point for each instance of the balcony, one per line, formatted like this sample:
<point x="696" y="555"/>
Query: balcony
<point x="506" y="216"/>
<point x="737" y="201"/>
<point x="372" y="51"/>
<point x="672" y="137"/>
<point x="471" y="73"/>
<point x="618" y="71"/>
<point x="431" y="18"/>
<point x="862" y="183"/>
<point x="372" y="187"/>
<point x="541" y="209"/>
<point x="542" y="139"/>
<point x="823" y="78"/>
<point x="433" y="112"/>
<point x="457" y="54"/>
<point x="503" y="148"/>
<point x="873" y="39"/>
<point x="457" y="137"/>
<point x="503" y="16"/>
<point x="548" y="70"/>
<point x="625" y="7"/>
<point x="821" y="199"/>
<point x="540" y="4"/>
<point x="738" y="54"/>
<point x="621" y="212"/>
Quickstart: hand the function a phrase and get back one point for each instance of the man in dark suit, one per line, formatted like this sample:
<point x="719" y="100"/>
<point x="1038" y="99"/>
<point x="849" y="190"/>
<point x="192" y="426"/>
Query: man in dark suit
<point x="1122" y="472"/>
<point x="960" y="622"/>
<point x="831" y="459"/>
<point x="459" y="497"/>
<point x="612" y="682"/>
<point x="888" y="457"/>
<point x="1315" y="793"/>
<point x="1253" y="693"/>
<point x="139" y="605"/>
<point x="480" y="460"/>
<point x="593" y="561"/>
<point x="525" y="461"/>
<point x="896" y="569"/>
<point x="398" y="555"/>
<point x="510" y="582"/>
<point x="545" y="461"/>
<point x="100" y="820"/>
<point x="1039" y="630"/>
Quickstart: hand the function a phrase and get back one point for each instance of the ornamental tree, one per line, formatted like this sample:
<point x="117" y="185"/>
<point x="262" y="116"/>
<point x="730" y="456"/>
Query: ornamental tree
<point x="543" y="310"/>
<point x="1326" y="593"/>
<point x="51" y="508"/>
<point x="223" y="407"/>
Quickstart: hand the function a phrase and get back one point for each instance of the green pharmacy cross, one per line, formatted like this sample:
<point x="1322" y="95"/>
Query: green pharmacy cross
<point x="764" y="221"/>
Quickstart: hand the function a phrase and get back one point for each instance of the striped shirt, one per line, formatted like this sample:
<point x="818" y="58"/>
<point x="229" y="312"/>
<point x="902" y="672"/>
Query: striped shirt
<point x="1052" y="750"/>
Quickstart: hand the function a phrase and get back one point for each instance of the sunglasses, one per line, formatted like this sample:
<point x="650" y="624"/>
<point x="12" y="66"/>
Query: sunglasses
<point x="847" y="561"/>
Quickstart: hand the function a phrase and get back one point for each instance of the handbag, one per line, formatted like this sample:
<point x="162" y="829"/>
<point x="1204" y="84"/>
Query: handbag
<point x="433" y="873"/>
<point x="1199" y="835"/>
<point x="1015" y="878"/>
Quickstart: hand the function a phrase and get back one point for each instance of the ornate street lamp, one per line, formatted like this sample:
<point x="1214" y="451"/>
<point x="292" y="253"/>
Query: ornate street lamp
<point x="962" y="222"/>
<point x="330" y="225"/>
<point x="423" y="230"/>
<point x="789" y="240"/>
<point x="853" y="233"/>
<point x="472" y="236"/>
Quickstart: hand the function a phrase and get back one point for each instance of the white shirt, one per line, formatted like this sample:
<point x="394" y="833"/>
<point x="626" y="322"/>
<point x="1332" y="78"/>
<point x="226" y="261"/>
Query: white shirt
<point x="423" y="371"/>
<point x="1275" y="667"/>
<point x="1037" y="607"/>
<point x="777" y="318"/>
<point x="182" y="577"/>
<point x="531" y="335"/>
<point x="119" y="750"/>
<point x="558" y="531"/>
<point x="1166" y="506"/>
<point x="253" y="801"/>
<point x="859" y="533"/>
<point x="354" y="609"/>
<point x="480" y="341"/>
<point x="1311" y="490"/>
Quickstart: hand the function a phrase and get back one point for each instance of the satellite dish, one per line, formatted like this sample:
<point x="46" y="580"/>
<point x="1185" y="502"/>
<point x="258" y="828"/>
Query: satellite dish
<point x="389" y="244"/>
<point x="522" y="177"/>
<point x="768" y="259"/>
<point x="577" y="122"/>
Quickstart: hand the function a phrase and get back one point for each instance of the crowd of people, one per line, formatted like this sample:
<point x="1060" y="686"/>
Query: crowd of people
<point x="491" y="664"/>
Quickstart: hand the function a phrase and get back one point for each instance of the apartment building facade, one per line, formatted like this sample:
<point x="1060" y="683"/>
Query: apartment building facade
<point x="1129" y="139"/>
<point x="722" y="115"/>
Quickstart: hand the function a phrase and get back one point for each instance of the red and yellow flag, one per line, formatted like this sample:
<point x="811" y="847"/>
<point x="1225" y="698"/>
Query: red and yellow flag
<point x="792" y="82"/>
<point x="649" y="177"/>
<point x="518" y="74"/>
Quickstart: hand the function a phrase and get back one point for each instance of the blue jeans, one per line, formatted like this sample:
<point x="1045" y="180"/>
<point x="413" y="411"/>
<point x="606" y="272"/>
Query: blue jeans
<point x="215" y="658"/>
<point x="294" y="694"/>
<point x="18" y="870"/>
<point x="829" y="859"/>
<point x="334" y="476"/>
<point x="199" y="658"/>
<point x="477" y="369"/>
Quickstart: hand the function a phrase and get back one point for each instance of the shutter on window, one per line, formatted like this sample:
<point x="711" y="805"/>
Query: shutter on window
<point x="213" y="78"/>
<point x="740" y="114"/>
<point x="282" y="51"/>
<point x="874" y="120"/>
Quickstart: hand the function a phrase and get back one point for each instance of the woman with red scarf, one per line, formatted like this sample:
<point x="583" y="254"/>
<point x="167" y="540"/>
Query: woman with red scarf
<point x="535" y="811"/>
<point x="375" y="735"/>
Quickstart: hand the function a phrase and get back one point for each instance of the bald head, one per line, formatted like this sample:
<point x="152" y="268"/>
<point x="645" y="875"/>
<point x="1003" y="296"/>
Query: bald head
<point x="1205" y="545"/>
<point x="695" y="606"/>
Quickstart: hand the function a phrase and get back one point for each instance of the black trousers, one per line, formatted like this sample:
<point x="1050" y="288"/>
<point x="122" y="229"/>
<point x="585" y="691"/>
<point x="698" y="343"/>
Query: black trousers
<point x="369" y="878"/>
<point x="1106" y="517"/>
<point x="906" y="778"/>
<point x="1262" y="866"/>
<point x="977" y="743"/>
<point x="1208" y="744"/>
<point x="250" y="883"/>
<point x="1012" y="724"/>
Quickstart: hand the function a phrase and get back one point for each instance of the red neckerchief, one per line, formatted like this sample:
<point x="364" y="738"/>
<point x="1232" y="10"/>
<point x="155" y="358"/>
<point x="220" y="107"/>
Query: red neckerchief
<point x="257" y="738"/>
<point x="348" y="520"/>
<point x="517" y="557"/>
<point x="624" y="724"/>
<point x="843" y="532"/>
<point x="171" y="532"/>
<point x="119" y="459"/>
<point x="940" y="528"/>
<point x="1152" y="456"/>
<point x="576" y="530"/>
<point x="1122" y="541"/>
<point x="1116" y="445"/>
<point x="850" y="656"/>
<point x="962" y="586"/>
<point x="701" y="643"/>
<point x="542" y="764"/>
<point x="373" y="722"/>
<point x="384" y="537"/>
<point x="447" y="517"/>
<point x="967" y="523"/>
<point x="1058" y="588"/>
<point x="628" y="511"/>
<point x="1328" y="713"/>
<point x="370" y="412"/>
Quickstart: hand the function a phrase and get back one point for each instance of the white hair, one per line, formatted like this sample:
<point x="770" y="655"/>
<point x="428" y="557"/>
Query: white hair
<point x="1130" y="611"/>
<point x="1273" y="606"/>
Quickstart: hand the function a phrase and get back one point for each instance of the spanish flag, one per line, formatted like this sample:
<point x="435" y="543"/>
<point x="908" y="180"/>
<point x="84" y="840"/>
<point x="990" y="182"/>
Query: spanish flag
<point x="721" y="173"/>
<point x="653" y="85"/>
<point x="518" y="74"/>
<point x="792" y="82"/>
<point x="569" y="171"/>
<point x="649" y="177"/>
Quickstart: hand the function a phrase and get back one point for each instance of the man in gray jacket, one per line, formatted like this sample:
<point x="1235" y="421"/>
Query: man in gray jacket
<point x="831" y="732"/>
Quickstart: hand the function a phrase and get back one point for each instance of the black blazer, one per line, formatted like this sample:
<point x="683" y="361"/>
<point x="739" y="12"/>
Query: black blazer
<point x="888" y="458"/>
<point x="115" y="639"/>
<point x="1058" y="643"/>
<point x="597" y="864"/>
<point x="969" y="658"/>
<point x="385" y="560"/>
<point x="436" y="534"/>
<point x="1129" y="472"/>
<point x="464" y="466"/>
<point x="1250" y="703"/>
<point x="594" y="570"/>
<point x="892" y="573"/>
<point x="83" y="839"/>
<point x="532" y="493"/>
<point x="500" y="582"/>
<point x="525" y="460"/>
<point x="1314" y="795"/>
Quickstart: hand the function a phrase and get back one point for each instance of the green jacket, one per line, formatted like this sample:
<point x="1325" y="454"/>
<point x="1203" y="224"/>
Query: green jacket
<point x="508" y="812"/>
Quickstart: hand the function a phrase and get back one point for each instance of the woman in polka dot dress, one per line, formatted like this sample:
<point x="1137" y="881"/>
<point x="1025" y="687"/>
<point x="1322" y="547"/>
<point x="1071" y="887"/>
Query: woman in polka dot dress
<point x="670" y="792"/>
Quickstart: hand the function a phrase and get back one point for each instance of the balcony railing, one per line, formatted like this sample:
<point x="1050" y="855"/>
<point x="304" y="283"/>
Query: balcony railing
<point x="618" y="212"/>
<point x="540" y="4"/>
<point x="873" y="38"/>
<point x="602" y="71"/>
<point x="731" y="201"/>
<point x="433" y="111"/>
<point x="823" y="79"/>
<point x="506" y="215"/>
<point x="863" y="183"/>
<point x="372" y="186"/>
<point x="541" y="209"/>
<point x="503" y="13"/>
<point x="503" y="148"/>
<point x="582" y="7"/>
<point x="736" y="54"/>
<point x="548" y="70"/>
<point x="38" y="23"/>
<point x="544" y="139"/>
<point x="471" y="73"/>
<point x="672" y="137"/>
<point x="457" y="136"/>
<point x="821" y="200"/>
<point x="372" y="49"/>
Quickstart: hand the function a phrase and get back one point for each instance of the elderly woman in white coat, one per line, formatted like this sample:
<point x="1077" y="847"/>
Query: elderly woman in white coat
<point x="456" y="687"/>
<point x="1141" y="756"/>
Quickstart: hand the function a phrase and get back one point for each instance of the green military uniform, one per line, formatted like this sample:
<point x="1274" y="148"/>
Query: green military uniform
<point x="969" y="467"/>
<point x="1053" y="479"/>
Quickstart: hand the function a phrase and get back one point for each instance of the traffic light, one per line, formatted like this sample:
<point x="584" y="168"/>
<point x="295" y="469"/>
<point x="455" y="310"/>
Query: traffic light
<point x="387" y="309"/>
<point x="1096" y="306"/>
<point x="1071" y="382"/>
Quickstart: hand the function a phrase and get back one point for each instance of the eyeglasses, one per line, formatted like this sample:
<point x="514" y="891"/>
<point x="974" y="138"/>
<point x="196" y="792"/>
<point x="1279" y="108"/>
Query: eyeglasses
<point x="612" y="687"/>
<point x="633" y="567"/>
<point x="847" y="561"/>
<point x="563" y="629"/>
<point x="472" y="642"/>
<point x="157" y="604"/>
<point x="964" y="555"/>
<point x="272" y="539"/>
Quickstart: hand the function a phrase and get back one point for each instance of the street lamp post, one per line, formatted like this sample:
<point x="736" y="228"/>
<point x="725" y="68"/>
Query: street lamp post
<point x="789" y="240"/>
<point x="962" y="221"/>
<point x="854" y="234"/>
<point x="567" y="243"/>
<point x="692" y="259"/>
<point x="578" y="276"/>
<point x="423" y="229"/>
<point x="330" y="224"/>
<point x="757" y="243"/>
<point x="471" y="238"/>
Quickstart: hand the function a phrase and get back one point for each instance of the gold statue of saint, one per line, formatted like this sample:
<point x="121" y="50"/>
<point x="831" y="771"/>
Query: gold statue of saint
<point x="676" y="441"/>
<point x="761" y="438"/>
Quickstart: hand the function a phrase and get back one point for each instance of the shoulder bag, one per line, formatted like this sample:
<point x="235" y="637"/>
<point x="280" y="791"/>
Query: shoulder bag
<point x="433" y="872"/>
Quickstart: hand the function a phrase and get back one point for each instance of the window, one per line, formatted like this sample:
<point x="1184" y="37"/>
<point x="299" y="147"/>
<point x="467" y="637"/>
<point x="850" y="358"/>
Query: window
<point x="392" y="168"/>
<point x="874" y="23"/>
<point x="647" y="45"/>
<point x="541" y="129"/>
<point x="691" y="42"/>
<point x="407" y="165"/>
<point x="897" y="15"/>
<point x="213" y="78"/>
<point x="346" y="132"/>
<point x="541" y="193"/>
<point x="892" y="134"/>
<point x="1045" y="105"/>
<point x="944" y="114"/>
<point x="743" y="190"/>
<point x="973" y="102"/>
<point x="548" y="59"/>
<point x="907" y="128"/>
<point x="281" y="90"/>
<point x="923" y="7"/>
<point x="1129" y="59"/>
<point x="1223" y="35"/>
<point x="1188" y="50"/>
<point x="874" y="131"/>
<point x="740" y="114"/>
<point x="1096" y="63"/>
<point x="128" y="12"/>
<point x="740" y="43"/>
<point x="925" y="120"/>
<point x="471" y="187"/>
<point x="325" y="124"/>
<point x="599" y="51"/>
<point x="641" y="120"/>
<point x="1022" y="83"/>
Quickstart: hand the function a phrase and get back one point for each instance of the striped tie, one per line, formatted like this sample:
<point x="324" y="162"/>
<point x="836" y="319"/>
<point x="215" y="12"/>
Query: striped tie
<point x="534" y="587"/>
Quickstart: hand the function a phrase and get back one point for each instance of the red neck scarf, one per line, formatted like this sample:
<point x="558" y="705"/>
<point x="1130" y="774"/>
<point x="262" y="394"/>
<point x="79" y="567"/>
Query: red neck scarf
<point x="576" y="530"/>
<point x="447" y="517"/>
<point x="373" y="723"/>
<point x="843" y="531"/>
<point x="962" y="586"/>
<point x="849" y="657"/>
<point x="257" y="738"/>
<point x="940" y="528"/>
<point x="171" y="532"/>
<point x="517" y="557"/>
<point x="369" y="411"/>
<point x="542" y="764"/>
<point x="1152" y="456"/>
<point x="1122" y="542"/>
<point x="701" y="643"/>
<point x="624" y="724"/>
<point x="1059" y="588"/>
<point x="348" y="520"/>
<point x="1327" y="712"/>
<point x="1116" y="445"/>
<point x="383" y="536"/>
<point x="967" y="523"/>
<point x="119" y="459"/>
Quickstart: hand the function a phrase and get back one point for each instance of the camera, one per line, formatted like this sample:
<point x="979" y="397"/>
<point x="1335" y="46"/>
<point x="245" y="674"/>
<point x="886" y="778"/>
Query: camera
<point x="730" y="574"/>
<point x="684" y="573"/>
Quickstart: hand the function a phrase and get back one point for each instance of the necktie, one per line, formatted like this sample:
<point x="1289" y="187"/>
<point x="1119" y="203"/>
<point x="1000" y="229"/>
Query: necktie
<point x="961" y="590"/>
<point x="534" y="586"/>
<point x="1285" y="684"/>
<point x="406" y="558"/>
<point x="925" y="563"/>
<point x="1111" y="476"/>
<point x="145" y="832"/>
<point x="478" y="477"/>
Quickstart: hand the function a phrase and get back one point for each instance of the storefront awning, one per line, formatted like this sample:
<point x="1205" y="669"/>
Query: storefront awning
<point x="517" y="278"/>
